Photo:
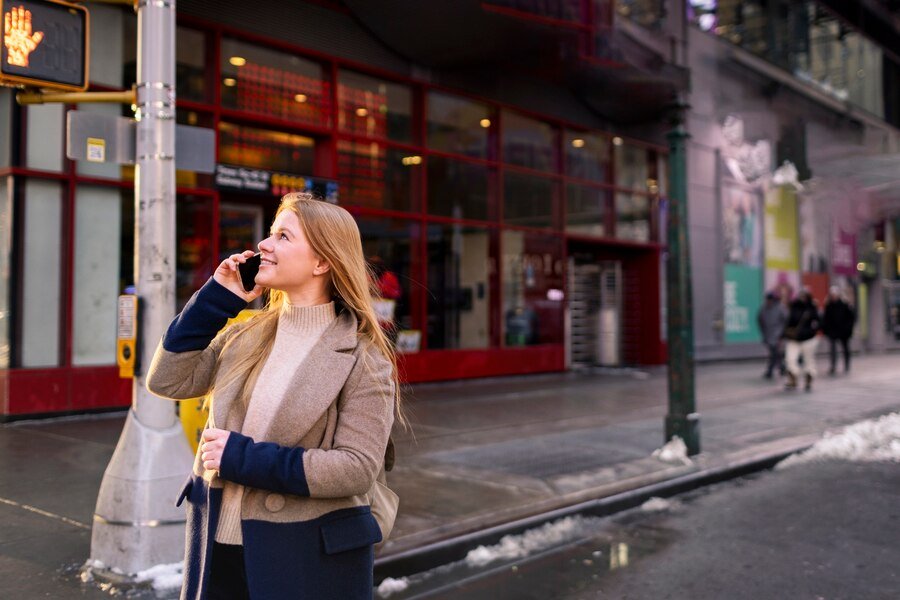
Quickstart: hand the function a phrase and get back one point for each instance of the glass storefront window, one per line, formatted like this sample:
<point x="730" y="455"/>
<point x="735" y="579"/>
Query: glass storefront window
<point x="190" y="65"/>
<point x="240" y="227"/>
<point x="6" y="184"/>
<point x="459" y="283"/>
<point x="376" y="176"/>
<point x="587" y="156"/>
<point x="528" y="142"/>
<point x="192" y="70"/>
<point x="6" y="104"/>
<point x="96" y="281"/>
<point x="633" y="217"/>
<point x="528" y="200"/>
<point x="458" y="189"/>
<point x="194" y="258"/>
<point x="632" y="166"/>
<point x="265" y="149"/>
<point x="45" y="128"/>
<point x="273" y="83"/>
<point x="41" y="276"/>
<point x="374" y="108"/>
<point x="113" y="35"/>
<point x="388" y="247"/>
<point x="646" y="13"/>
<point x="662" y="174"/>
<point x="586" y="210"/>
<point x="458" y="125"/>
<point x="532" y="289"/>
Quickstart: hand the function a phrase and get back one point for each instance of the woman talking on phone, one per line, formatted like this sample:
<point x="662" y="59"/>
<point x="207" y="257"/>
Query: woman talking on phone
<point x="287" y="496"/>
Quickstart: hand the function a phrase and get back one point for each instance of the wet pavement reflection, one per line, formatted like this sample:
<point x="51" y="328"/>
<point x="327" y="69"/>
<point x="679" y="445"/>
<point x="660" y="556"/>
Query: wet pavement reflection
<point x="574" y="568"/>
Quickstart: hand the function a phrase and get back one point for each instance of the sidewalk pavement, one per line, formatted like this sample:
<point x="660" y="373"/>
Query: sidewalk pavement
<point x="481" y="453"/>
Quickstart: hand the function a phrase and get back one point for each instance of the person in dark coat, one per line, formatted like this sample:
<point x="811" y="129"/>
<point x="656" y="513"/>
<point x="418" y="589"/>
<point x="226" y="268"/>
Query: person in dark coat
<point x="771" y="319"/>
<point x="837" y="325"/>
<point x="801" y="333"/>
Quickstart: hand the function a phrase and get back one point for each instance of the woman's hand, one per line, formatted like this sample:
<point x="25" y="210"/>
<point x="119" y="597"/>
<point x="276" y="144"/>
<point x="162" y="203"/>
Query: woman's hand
<point x="212" y="444"/>
<point x="228" y="276"/>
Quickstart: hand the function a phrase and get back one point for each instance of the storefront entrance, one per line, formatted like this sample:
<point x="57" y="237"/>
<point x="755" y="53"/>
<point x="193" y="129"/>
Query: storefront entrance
<point x="613" y="315"/>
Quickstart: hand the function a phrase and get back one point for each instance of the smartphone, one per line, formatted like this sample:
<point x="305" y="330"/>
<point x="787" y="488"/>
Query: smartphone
<point x="248" y="271"/>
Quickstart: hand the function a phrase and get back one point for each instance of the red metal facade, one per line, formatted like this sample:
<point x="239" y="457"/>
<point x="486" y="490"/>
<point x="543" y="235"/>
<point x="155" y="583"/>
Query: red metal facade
<point x="72" y="388"/>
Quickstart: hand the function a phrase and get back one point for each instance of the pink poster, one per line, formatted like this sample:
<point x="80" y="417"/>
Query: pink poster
<point x="843" y="252"/>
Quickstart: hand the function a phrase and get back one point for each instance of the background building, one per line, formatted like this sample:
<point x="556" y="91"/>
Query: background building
<point x="816" y="84"/>
<point x="505" y="160"/>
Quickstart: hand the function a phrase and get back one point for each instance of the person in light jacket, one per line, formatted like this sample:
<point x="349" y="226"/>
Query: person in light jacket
<point x="302" y="400"/>
<point x="801" y="333"/>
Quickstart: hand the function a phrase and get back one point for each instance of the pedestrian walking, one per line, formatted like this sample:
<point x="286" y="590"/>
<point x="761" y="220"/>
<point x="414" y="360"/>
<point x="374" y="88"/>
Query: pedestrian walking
<point x="800" y="333"/>
<point x="771" y="318"/>
<point x="288" y="492"/>
<point x="837" y="325"/>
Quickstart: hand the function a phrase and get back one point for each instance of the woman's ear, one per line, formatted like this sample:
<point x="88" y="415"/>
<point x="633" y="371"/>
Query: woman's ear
<point x="321" y="267"/>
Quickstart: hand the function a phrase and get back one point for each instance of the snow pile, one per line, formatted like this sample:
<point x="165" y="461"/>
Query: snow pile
<point x="392" y="586"/>
<point x="656" y="504"/>
<point x="867" y="441"/>
<point x="163" y="577"/>
<point x="675" y="451"/>
<point x="512" y="547"/>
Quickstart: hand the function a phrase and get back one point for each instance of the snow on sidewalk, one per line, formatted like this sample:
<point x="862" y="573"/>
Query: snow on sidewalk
<point x="874" y="440"/>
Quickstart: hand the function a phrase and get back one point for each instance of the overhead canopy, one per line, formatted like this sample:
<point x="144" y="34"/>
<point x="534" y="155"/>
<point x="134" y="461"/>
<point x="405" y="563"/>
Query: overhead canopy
<point x="623" y="80"/>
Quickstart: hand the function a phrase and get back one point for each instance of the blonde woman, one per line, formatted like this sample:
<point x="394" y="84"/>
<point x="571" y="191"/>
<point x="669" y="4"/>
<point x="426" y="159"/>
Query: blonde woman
<point x="303" y="397"/>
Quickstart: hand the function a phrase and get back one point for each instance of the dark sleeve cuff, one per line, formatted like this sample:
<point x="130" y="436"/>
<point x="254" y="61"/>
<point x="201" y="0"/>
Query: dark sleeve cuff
<point x="263" y="465"/>
<point x="203" y="316"/>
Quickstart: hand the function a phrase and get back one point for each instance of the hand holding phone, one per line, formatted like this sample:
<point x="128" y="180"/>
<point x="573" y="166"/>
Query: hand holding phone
<point x="238" y="279"/>
<point x="248" y="271"/>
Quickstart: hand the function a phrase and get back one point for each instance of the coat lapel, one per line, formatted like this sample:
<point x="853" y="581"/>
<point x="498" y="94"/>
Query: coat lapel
<point x="317" y="382"/>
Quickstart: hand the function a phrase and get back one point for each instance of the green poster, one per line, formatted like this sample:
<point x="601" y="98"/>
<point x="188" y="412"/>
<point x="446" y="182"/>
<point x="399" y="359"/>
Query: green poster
<point x="743" y="295"/>
<point x="782" y="249"/>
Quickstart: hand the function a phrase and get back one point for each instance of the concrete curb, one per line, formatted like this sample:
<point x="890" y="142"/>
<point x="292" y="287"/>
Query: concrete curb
<point x="438" y="553"/>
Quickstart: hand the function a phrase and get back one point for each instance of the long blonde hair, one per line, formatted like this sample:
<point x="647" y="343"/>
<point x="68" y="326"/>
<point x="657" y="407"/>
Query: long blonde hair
<point x="334" y="236"/>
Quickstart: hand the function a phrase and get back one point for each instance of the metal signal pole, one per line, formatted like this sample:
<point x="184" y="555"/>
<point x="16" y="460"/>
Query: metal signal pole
<point x="136" y="524"/>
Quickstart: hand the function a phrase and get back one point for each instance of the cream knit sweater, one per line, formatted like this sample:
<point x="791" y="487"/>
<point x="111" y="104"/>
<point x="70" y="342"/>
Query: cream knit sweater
<point x="299" y="328"/>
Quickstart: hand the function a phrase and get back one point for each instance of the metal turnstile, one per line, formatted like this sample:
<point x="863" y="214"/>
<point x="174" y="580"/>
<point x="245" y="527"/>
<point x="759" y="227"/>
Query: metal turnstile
<point x="595" y="312"/>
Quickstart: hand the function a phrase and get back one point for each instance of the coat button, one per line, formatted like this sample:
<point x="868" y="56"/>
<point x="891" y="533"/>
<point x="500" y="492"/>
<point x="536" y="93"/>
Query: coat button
<point x="274" y="502"/>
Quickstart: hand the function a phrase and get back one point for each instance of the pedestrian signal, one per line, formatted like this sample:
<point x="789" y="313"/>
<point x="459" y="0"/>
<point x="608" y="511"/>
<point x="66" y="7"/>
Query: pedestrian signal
<point x="45" y="44"/>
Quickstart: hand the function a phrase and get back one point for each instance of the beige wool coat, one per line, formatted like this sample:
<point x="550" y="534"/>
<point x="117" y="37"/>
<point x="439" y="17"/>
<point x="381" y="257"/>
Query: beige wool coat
<point x="337" y="414"/>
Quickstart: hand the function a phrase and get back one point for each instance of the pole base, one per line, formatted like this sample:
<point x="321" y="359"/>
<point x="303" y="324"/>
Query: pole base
<point x="687" y="427"/>
<point x="136" y="523"/>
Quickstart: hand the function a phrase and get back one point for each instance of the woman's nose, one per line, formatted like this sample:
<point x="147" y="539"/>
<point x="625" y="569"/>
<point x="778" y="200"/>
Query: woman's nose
<point x="265" y="245"/>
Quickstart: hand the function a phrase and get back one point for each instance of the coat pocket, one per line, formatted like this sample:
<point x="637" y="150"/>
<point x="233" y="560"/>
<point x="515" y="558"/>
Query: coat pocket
<point x="350" y="532"/>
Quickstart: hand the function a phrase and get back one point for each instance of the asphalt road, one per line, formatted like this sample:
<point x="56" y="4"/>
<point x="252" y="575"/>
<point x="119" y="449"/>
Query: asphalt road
<point x="825" y="531"/>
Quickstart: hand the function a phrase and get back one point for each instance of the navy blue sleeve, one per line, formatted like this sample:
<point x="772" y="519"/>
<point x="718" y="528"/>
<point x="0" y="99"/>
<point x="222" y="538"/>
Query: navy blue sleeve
<point x="263" y="465"/>
<point x="203" y="316"/>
